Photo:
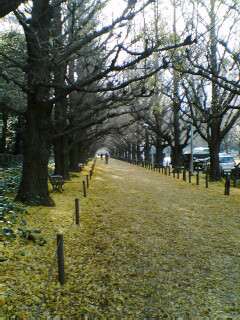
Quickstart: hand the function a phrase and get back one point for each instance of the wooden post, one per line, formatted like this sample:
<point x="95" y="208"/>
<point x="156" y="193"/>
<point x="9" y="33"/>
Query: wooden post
<point x="189" y="176"/>
<point x="77" y="212"/>
<point x="227" y="185"/>
<point x="60" y="258"/>
<point x="206" y="179"/>
<point x="184" y="174"/>
<point x="84" y="189"/>
<point x="87" y="179"/>
<point x="197" y="178"/>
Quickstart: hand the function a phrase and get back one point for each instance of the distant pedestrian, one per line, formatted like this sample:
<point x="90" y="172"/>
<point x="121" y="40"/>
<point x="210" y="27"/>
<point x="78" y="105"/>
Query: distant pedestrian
<point x="106" y="158"/>
<point x="101" y="155"/>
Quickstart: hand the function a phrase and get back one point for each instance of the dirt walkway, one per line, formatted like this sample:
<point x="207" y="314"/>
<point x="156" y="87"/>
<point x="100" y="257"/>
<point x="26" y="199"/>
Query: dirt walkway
<point x="163" y="249"/>
<point x="150" y="247"/>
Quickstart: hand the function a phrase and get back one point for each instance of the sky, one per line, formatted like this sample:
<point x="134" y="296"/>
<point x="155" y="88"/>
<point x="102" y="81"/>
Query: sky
<point x="116" y="7"/>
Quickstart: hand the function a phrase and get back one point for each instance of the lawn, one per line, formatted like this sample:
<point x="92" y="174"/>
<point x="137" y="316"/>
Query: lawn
<point x="148" y="247"/>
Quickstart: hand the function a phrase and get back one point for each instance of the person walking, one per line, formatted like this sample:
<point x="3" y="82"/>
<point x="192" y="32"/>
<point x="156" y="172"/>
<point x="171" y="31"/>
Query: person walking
<point x="106" y="158"/>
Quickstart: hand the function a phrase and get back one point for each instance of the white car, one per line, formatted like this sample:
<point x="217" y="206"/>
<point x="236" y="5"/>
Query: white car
<point x="166" y="161"/>
<point x="226" y="162"/>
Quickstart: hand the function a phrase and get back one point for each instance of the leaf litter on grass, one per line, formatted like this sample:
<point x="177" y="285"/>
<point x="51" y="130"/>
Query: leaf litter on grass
<point x="158" y="250"/>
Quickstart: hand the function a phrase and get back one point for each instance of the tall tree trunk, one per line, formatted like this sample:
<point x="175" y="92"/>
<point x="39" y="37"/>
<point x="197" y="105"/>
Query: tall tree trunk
<point x="147" y="147"/>
<point x="214" y="173"/>
<point x="215" y="125"/>
<point x="61" y="152"/>
<point x="61" y="157"/>
<point x="177" y="148"/>
<point x="159" y="153"/>
<point x="74" y="158"/>
<point x="214" y="149"/>
<point x="34" y="184"/>
<point x="134" y="152"/>
<point x="177" y="156"/>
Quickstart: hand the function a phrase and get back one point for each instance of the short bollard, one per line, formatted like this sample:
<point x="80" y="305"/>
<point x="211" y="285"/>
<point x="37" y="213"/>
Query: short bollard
<point x="197" y="178"/>
<point x="60" y="258"/>
<point x="227" y="185"/>
<point x="184" y="174"/>
<point x="178" y="174"/>
<point x="206" y="179"/>
<point x="87" y="179"/>
<point x="77" y="212"/>
<point x="189" y="176"/>
<point x="84" y="189"/>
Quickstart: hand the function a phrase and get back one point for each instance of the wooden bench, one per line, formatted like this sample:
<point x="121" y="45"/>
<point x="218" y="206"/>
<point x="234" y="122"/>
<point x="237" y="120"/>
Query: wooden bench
<point x="57" y="182"/>
<point x="81" y="166"/>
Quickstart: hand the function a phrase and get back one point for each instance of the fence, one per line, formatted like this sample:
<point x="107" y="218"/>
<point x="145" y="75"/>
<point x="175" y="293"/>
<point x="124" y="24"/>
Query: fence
<point x="231" y="180"/>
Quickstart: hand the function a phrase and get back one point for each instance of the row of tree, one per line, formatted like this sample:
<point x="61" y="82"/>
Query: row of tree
<point x="72" y="82"/>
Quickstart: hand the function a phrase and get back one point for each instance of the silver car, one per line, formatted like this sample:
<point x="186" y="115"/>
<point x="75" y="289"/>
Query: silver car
<point x="226" y="162"/>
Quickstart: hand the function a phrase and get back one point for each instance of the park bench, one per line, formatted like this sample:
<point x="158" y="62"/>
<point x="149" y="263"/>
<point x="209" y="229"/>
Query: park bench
<point x="81" y="166"/>
<point x="57" y="182"/>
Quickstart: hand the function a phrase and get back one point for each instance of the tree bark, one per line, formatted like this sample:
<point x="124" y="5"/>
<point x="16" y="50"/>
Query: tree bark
<point x="215" y="173"/>
<point x="214" y="140"/>
<point x="159" y="153"/>
<point x="177" y="156"/>
<point x="74" y="158"/>
<point x="214" y="149"/>
<point x="34" y="184"/>
<point x="61" y="152"/>
<point x="147" y="147"/>
<point x="61" y="157"/>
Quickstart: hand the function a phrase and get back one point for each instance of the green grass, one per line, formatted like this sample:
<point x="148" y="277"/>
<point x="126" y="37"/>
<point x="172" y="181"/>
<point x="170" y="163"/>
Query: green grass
<point x="149" y="247"/>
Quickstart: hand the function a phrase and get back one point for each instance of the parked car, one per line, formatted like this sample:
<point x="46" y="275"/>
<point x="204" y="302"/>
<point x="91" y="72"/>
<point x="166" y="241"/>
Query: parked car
<point x="226" y="162"/>
<point x="236" y="171"/>
<point x="166" y="161"/>
<point x="200" y="158"/>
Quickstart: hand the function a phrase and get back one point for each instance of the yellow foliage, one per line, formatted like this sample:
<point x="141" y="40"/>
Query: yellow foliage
<point x="148" y="247"/>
